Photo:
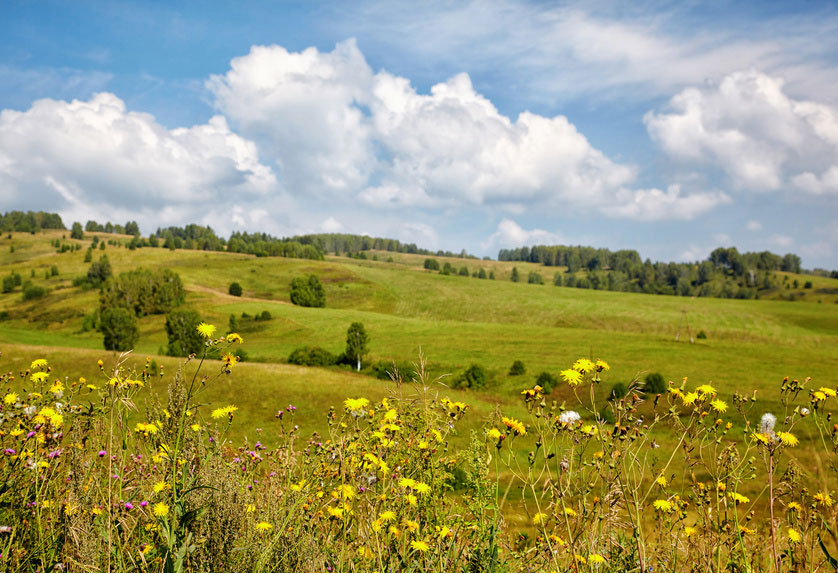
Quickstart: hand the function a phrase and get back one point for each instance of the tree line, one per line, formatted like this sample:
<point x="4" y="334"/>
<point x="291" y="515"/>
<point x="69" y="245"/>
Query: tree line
<point x="29" y="221"/>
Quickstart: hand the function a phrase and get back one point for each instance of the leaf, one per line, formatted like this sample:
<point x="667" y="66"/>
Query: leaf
<point x="832" y="561"/>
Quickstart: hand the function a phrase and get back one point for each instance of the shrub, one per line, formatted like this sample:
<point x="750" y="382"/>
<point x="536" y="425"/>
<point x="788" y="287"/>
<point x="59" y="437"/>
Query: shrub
<point x="517" y="368"/>
<point x="618" y="391"/>
<point x="265" y="315"/>
<point x="31" y="292"/>
<point x="8" y="283"/>
<point x="472" y="378"/>
<point x="432" y="264"/>
<point x="535" y="278"/>
<point x="387" y="370"/>
<point x="143" y="291"/>
<point x="547" y="382"/>
<point x="307" y="291"/>
<point x="312" y="357"/>
<point x="235" y="289"/>
<point x="356" y="343"/>
<point x="99" y="271"/>
<point x="119" y="328"/>
<point x="807" y="285"/>
<point x="182" y="331"/>
<point x="701" y="335"/>
<point x="463" y="271"/>
<point x="654" y="384"/>
<point x="514" y="277"/>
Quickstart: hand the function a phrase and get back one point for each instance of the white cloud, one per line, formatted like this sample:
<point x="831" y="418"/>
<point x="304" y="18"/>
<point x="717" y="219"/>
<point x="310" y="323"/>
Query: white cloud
<point x="338" y="131"/>
<point x="87" y="158"/>
<point x="753" y="225"/>
<point x="747" y="126"/>
<point x="331" y="225"/>
<point x="510" y="234"/>
<point x="781" y="240"/>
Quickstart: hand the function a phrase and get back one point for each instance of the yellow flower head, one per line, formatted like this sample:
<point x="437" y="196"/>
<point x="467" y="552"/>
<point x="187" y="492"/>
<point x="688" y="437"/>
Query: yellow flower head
<point x="387" y="516"/>
<point x="38" y="365"/>
<point x="572" y="377"/>
<point x="160" y="486"/>
<point x="161" y="509"/>
<point x="819" y="396"/>
<point x="412" y="500"/>
<point x="690" y="531"/>
<point x="10" y="399"/>
<point x="596" y="559"/>
<point x="494" y="434"/>
<point x="569" y="511"/>
<point x="761" y="438"/>
<point x="661" y="480"/>
<point x="795" y="506"/>
<point x="739" y="498"/>
<point x="206" y="330"/>
<point x="719" y="405"/>
<point x="422" y="488"/>
<point x="705" y="390"/>
<point x="224" y="412"/>
<point x="689" y="398"/>
<point x="356" y="405"/>
<point x="38" y="377"/>
<point x="583" y="365"/>
<point x="602" y="365"/>
<point x="787" y="438"/>
<point x="823" y="499"/>
<point x="335" y="512"/>
<point x="419" y="545"/>
<point x="407" y="482"/>
<point x="234" y="338"/>
<point x="662" y="505"/>
<point x="540" y="518"/>
<point x="794" y="536"/>
<point x="828" y="391"/>
<point x="250" y="508"/>
<point x="347" y="491"/>
<point x="264" y="527"/>
<point x="515" y="426"/>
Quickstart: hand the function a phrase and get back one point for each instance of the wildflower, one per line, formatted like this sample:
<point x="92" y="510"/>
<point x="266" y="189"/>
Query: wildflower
<point x="195" y="427"/>
<point x="823" y="499"/>
<point x="412" y="500"/>
<point x="580" y="559"/>
<point x="387" y="516"/>
<point x="818" y="396"/>
<point x="161" y="509"/>
<point x="224" y="412"/>
<point x="264" y="527"/>
<point x="230" y="359"/>
<point x="494" y="434"/>
<point x="96" y="511"/>
<point x="540" y="518"/>
<point x="129" y="506"/>
<point x="419" y="545"/>
<point x="827" y="391"/>
<point x="794" y="536"/>
<point x="766" y="424"/>
<point x="411" y="525"/>
<point x="347" y="491"/>
<point x="391" y="415"/>
<point x="689" y="398"/>
<point x="590" y="430"/>
<point x="739" y="498"/>
<point x="662" y="505"/>
<point x="444" y="532"/>
<point x="234" y="338"/>
<point x="10" y="399"/>
<point x="533" y="394"/>
<point x="787" y="438"/>
<point x="596" y="559"/>
<point x="38" y="365"/>
<point x="160" y="486"/>
<point x="705" y="390"/>
<point x="602" y="365"/>
<point x="206" y="330"/>
<point x="804" y="411"/>
<point x="335" y="512"/>
<point x="423" y="445"/>
<point x="250" y="508"/>
<point x="407" y="482"/>
<point x="516" y="426"/>
<point x="569" y="512"/>
<point x="146" y="428"/>
<point x="719" y="405"/>
<point x="583" y="365"/>
<point x="661" y="480"/>
<point x="100" y="363"/>
<point x="356" y="406"/>
<point x="795" y="506"/>
<point x="761" y="438"/>
<point x="38" y="377"/>
<point x="422" y="488"/>
<point x="572" y="377"/>
<point x="569" y="417"/>
<point x="746" y="530"/>
<point x="690" y="531"/>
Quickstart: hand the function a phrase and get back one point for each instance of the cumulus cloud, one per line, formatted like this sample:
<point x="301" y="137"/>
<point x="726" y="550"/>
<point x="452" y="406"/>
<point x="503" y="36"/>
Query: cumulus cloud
<point x="753" y="225"/>
<point x="96" y="157"/>
<point x="337" y="130"/>
<point x="510" y="234"/>
<point x="748" y="127"/>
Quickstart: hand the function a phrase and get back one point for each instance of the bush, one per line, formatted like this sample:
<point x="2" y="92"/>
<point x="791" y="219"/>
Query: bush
<point x="143" y="291"/>
<point x="312" y="357"/>
<point x="182" y="330"/>
<point x="8" y="283"/>
<point x="517" y="368"/>
<point x="384" y="369"/>
<point x="535" y="278"/>
<point x="99" y="271"/>
<point x="547" y="382"/>
<point x="514" y="277"/>
<point x="463" y="271"/>
<point x="618" y="391"/>
<point x="807" y="285"/>
<point x="654" y="384"/>
<point x="307" y="291"/>
<point x="265" y="316"/>
<point x="119" y="327"/>
<point x="701" y="335"/>
<point x="472" y="378"/>
<point x="31" y="292"/>
<point x="235" y="289"/>
<point x="432" y="264"/>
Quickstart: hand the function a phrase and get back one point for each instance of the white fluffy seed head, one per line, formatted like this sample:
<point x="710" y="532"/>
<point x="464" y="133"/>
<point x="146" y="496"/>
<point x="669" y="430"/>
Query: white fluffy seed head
<point x="766" y="424"/>
<point x="569" y="417"/>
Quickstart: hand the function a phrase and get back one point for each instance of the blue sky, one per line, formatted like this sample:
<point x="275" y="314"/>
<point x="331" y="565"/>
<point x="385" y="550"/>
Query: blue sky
<point x="671" y="128"/>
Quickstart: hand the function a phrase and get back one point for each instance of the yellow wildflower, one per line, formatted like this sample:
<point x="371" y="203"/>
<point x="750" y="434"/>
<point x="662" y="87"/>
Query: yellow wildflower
<point x="161" y="509"/>
<point x="10" y="399"/>
<point x="572" y="377"/>
<point x="819" y="396"/>
<point x="569" y="511"/>
<point x="422" y="488"/>
<point x="387" y="516"/>
<point x="335" y="512"/>
<point x="540" y="518"/>
<point x="795" y="506"/>
<point x="746" y="530"/>
<point x="828" y="391"/>
<point x="38" y="377"/>
<point x="739" y="498"/>
<point x="411" y="525"/>
<point x="689" y="398"/>
<point x="719" y="405"/>
<point x="583" y="365"/>
<point x="662" y="505"/>
<point x="407" y="482"/>
<point x="494" y="434"/>
<point x="690" y="531"/>
<point x="761" y="438"/>
<point x="787" y="438"/>
<point x="38" y="365"/>
<point x="661" y="480"/>
<point x="347" y="491"/>
<point x="356" y="405"/>
<point x="516" y="426"/>
<point x="160" y="486"/>
<point x="264" y="527"/>
<point x="794" y="536"/>
<point x="596" y="559"/>
<point x="234" y="338"/>
<point x="419" y="545"/>
<point x="224" y="412"/>
<point x="391" y="415"/>
<point x="823" y="499"/>
<point x="412" y="500"/>
<point x="602" y="365"/>
<point x="250" y="508"/>
<point x="206" y="330"/>
<point x="705" y="390"/>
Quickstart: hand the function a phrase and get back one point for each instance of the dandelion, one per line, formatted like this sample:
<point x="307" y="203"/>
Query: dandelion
<point x="412" y="500"/>
<point x="407" y="482"/>
<point x="224" y="412"/>
<point x="10" y="399"/>
<point x="827" y="391"/>
<point x="160" y="486"/>
<point x="719" y="405"/>
<point x="787" y="438"/>
<point x="572" y="377"/>
<point x="689" y="398"/>
<point x="795" y="506"/>
<point x="583" y="365"/>
<point x="662" y="505"/>
<point x="602" y="365"/>
<point x="540" y="518"/>
<point x="705" y="390"/>
<point x="234" y="338"/>
<point x="661" y="480"/>
<point x="494" y="434"/>
<point x="387" y="516"/>
<point x="264" y="527"/>
<point x="411" y="525"/>
<point x="422" y="488"/>
<point x="206" y="330"/>
<point x="823" y="499"/>
<point x="746" y="530"/>
<point x="347" y="491"/>
<point x="161" y="510"/>
<point x="690" y="531"/>
<point x="568" y="418"/>
<point x="739" y="498"/>
<point x="38" y="377"/>
<point x="335" y="512"/>
<point x="794" y="536"/>
<point x="569" y="512"/>
<point x="596" y="559"/>
<point x="38" y="365"/>
<point x="761" y="438"/>
<point x="818" y="396"/>
<point x="356" y="407"/>
<point x="516" y="426"/>
<point x="419" y="545"/>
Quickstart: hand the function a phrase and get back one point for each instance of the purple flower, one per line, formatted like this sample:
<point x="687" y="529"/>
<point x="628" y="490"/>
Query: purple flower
<point x="129" y="506"/>
<point x="102" y="453"/>
<point x="271" y="475"/>
<point x="10" y="451"/>
<point x="30" y="434"/>
<point x="144" y="503"/>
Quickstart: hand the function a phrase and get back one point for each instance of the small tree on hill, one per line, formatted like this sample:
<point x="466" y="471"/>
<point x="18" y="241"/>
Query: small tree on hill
<point x="514" y="277"/>
<point x="654" y="384"/>
<point x="472" y="378"/>
<point x="517" y="369"/>
<point x="356" y="343"/>
<point x="307" y="291"/>
<point x="235" y="289"/>
<point x="99" y="271"/>
<point x="77" y="232"/>
<point x="432" y="264"/>
<point x="119" y="328"/>
<point x="547" y="382"/>
<point x="182" y="330"/>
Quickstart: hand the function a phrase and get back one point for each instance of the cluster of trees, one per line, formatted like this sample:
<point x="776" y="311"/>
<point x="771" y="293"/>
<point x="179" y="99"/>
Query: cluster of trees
<point x="307" y="291"/>
<point x="130" y="228"/>
<point x="448" y="269"/>
<point x="357" y="346"/>
<point x="30" y="221"/>
<point x="338" y="243"/>
<point x="725" y="273"/>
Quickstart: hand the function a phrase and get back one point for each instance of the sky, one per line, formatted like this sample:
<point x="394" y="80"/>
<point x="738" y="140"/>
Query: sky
<point x="671" y="128"/>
